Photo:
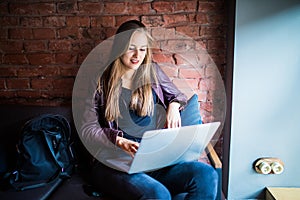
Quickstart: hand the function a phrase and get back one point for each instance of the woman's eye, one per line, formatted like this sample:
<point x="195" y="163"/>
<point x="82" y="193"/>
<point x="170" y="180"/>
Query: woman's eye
<point x="131" y="48"/>
<point x="142" y="49"/>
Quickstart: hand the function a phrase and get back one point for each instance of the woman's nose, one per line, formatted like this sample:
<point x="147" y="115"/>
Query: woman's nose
<point x="136" y="53"/>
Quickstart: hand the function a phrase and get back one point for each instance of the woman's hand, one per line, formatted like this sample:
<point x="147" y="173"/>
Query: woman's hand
<point x="128" y="146"/>
<point x="173" y="116"/>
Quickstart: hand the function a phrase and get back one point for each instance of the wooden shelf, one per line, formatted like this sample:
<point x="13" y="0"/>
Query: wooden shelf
<point x="280" y="193"/>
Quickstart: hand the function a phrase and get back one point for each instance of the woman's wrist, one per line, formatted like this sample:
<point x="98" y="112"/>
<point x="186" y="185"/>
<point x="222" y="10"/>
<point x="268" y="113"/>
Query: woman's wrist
<point x="119" y="141"/>
<point x="174" y="105"/>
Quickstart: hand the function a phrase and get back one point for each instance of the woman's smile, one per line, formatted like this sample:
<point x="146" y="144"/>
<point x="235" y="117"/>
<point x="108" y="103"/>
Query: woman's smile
<point x="134" y="61"/>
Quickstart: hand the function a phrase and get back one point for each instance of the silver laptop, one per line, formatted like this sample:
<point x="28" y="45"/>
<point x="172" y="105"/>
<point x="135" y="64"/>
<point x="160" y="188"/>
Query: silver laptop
<point x="165" y="147"/>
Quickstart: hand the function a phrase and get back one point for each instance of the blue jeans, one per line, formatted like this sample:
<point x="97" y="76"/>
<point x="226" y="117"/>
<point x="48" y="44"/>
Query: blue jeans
<point x="198" y="180"/>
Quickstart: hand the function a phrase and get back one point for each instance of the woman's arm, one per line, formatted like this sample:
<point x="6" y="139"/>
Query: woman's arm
<point x="98" y="134"/>
<point x="98" y="138"/>
<point x="169" y="92"/>
<point x="173" y="98"/>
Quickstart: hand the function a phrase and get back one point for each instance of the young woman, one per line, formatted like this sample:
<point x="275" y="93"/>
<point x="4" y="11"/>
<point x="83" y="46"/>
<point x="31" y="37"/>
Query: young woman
<point x="125" y="105"/>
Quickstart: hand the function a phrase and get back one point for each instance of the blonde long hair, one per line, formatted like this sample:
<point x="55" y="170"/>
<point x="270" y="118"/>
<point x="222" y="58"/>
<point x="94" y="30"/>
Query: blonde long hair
<point x="144" y="77"/>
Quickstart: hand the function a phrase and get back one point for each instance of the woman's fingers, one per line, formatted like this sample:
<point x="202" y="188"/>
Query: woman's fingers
<point x="173" y="120"/>
<point x="173" y="116"/>
<point x="129" y="146"/>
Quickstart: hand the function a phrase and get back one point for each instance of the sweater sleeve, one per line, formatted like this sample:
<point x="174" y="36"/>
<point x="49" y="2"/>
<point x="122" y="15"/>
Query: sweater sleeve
<point x="97" y="135"/>
<point x="169" y="91"/>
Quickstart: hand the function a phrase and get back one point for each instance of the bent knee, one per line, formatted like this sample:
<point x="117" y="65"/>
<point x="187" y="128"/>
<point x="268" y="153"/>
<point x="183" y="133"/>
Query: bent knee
<point x="159" y="193"/>
<point x="210" y="175"/>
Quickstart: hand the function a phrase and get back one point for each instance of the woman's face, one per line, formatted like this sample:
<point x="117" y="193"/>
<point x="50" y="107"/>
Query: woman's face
<point x="136" y="52"/>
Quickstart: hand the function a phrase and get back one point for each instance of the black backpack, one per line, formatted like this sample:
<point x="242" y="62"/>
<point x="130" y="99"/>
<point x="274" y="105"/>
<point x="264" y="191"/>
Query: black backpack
<point x="44" y="153"/>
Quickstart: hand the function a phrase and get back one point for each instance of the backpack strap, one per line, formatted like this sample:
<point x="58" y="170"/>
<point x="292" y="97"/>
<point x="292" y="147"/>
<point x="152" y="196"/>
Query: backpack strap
<point x="19" y="186"/>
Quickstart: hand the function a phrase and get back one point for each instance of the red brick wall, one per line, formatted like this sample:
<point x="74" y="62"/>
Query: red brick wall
<point x="43" y="43"/>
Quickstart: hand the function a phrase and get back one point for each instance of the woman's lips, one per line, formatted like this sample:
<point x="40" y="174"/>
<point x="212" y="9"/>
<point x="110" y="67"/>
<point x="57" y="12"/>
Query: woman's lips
<point x="134" y="61"/>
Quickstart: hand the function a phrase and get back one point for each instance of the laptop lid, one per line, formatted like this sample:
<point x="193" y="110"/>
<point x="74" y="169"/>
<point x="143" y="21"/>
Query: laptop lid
<point x="164" y="147"/>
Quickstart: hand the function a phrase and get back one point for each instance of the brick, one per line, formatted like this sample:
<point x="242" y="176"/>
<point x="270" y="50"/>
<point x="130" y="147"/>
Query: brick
<point x="204" y="85"/>
<point x="115" y="8"/>
<point x="203" y="58"/>
<point x="216" y="44"/>
<point x="208" y="7"/>
<point x="190" y="73"/>
<point x="212" y="71"/>
<point x="207" y="106"/>
<point x="163" y="33"/>
<point x="47" y="102"/>
<point x="17" y="83"/>
<point x="78" y="21"/>
<point x="49" y="71"/>
<point x="66" y="83"/>
<point x="175" y="19"/>
<point x="163" y="58"/>
<point x="29" y="94"/>
<point x="81" y="57"/>
<point x="54" y="21"/>
<point x="65" y="58"/>
<point x="192" y="31"/>
<point x="40" y="58"/>
<point x="7" y="94"/>
<point x="109" y="32"/>
<point x="4" y="8"/>
<point x="212" y="31"/>
<point x="90" y="7"/>
<point x="18" y="59"/>
<point x="170" y="69"/>
<point x="32" y="8"/>
<point x="218" y="58"/>
<point x="186" y="84"/>
<point x="31" y="21"/>
<point x="103" y="21"/>
<point x="202" y="95"/>
<point x="185" y="6"/>
<point x="42" y="83"/>
<point x="57" y="93"/>
<point x="67" y="7"/>
<point x="20" y="33"/>
<point x="180" y="45"/>
<point x="139" y="8"/>
<point x="202" y="18"/>
<point x="216" y="19"/>
<point x="2" y="84"/>
<point x="43" y="33"/>
<point x="86" y="46"/>
<point x="95" y="34"/>
<point x="121" y="19"/>
<point x="163" y="7"/>
<point x="68" y="70"/>
<point x="179" y="60"/>
<point x="11" y="46"/>
<point x="4" y="34"/>
<point x="40" y="71"/>
<point x="153" y="20"/>
<point x="35" y="46"/>
<point x="8" y="21"/>
<point x="186" y="59"/>
<point x="8" y="71"/>
<point x="60" y="45"/>
<point x="69" y="33"/>
<point x="210" y="83"/>
<point x="192" y="18"/>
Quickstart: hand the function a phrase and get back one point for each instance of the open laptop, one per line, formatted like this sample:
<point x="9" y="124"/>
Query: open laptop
<point x="165" y="147"/>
